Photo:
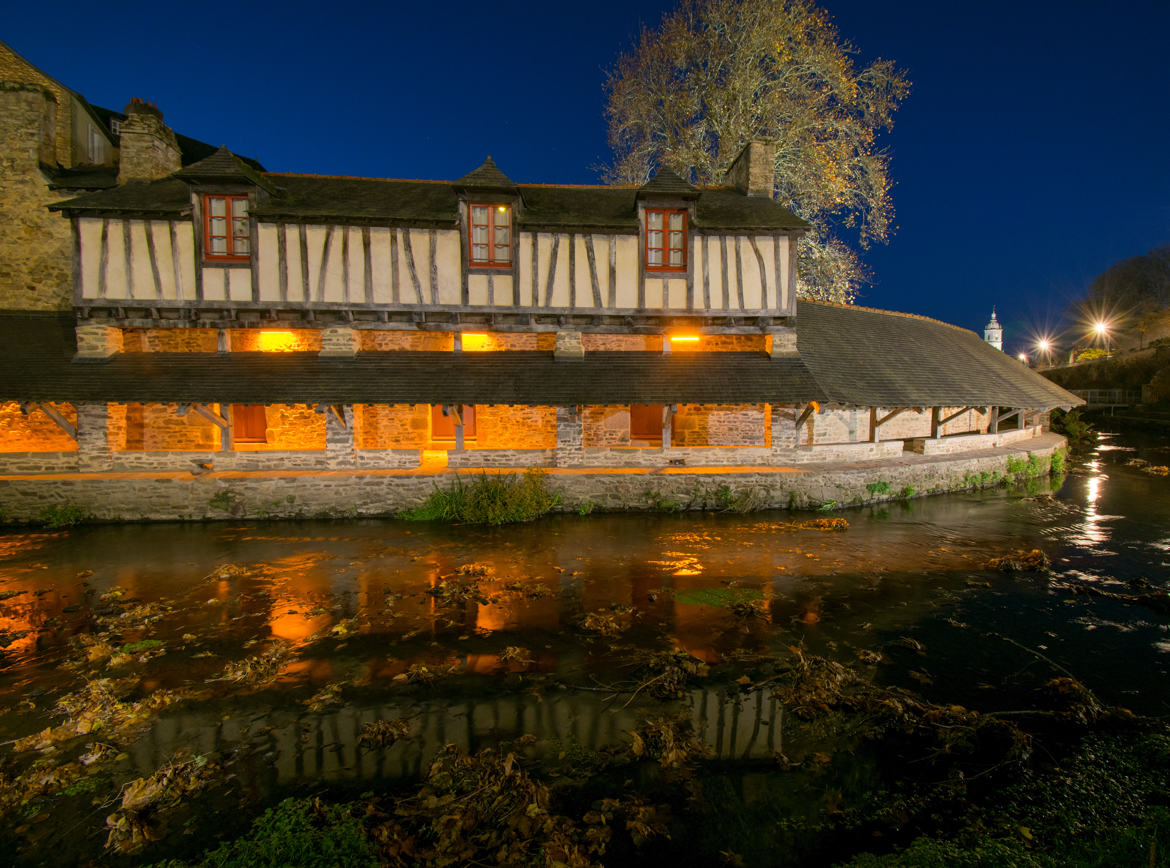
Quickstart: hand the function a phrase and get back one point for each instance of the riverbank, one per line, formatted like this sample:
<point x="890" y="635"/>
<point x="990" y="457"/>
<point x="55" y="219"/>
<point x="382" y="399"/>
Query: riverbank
<point x="295" y="494"/>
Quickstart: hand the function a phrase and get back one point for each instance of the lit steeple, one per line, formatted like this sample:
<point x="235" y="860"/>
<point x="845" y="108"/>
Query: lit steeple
<point x="993" y="332"/>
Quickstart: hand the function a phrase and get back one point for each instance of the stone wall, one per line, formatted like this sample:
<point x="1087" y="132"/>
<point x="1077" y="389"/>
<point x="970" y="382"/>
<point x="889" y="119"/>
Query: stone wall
<point x="519" y="458"/>
<point x="36" y="264"/>
<point x="197" y="496"/>
<point x="160" y="428"/>
<point x="35" y="432"/>
<point x="506" y="341"/>
<point x="392" y="426"/>
<point x="721" y="425"/>
<point x="59" y="134"/>
<point x="595" y="343"/>
<point x="174" y="340"/>
<point x="292" y="426"/>
<point x="500" y="426"/>
<point x="389" y="340"/>
<point x="605" y="426"/>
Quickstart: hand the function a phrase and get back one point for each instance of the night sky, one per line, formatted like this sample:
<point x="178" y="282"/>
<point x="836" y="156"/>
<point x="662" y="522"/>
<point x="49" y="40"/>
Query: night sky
<point x="1031" y="154"/>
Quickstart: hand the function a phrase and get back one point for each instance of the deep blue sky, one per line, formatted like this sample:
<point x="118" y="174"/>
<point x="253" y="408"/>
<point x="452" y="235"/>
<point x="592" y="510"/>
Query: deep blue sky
<point x="1031" y="154"/>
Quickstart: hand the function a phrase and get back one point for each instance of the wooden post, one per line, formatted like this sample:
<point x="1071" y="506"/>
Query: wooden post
<point x="935" y="422"/>
<point x="993" y="421"/>
<point x="874" y="436"/>
<point x="667" y="426"/>
<point x="458" y="427"/>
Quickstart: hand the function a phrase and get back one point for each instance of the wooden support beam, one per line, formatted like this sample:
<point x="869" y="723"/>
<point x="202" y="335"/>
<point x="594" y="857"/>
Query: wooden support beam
<point x="338" y="411"/>
<point x="50" y="411"/>
<point x="458" y="427"/>
<point x="813" y="407"/>
<point x="935" y="422"/>
<point x="886" y="418"/>
<point x="956" y="414"/>
<point x="211" y="416"/>
<point x="993" y="420"/>
<point x="1004" y="416"/>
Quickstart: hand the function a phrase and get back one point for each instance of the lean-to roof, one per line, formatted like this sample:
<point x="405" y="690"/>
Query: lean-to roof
<point x="848" y="356"/>
<point x="880" y="358"/>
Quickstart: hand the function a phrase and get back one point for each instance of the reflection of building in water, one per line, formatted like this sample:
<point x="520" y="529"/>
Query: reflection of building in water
<point x="311" y="747"/>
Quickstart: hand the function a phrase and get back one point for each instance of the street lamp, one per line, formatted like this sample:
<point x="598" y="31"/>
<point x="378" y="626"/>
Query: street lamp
<point x="1023" y="357"/>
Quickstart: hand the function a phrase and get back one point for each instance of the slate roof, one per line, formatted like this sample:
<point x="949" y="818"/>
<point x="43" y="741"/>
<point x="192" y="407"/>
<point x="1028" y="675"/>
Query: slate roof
<point x="38" y="366"/>
<point x="486" y="177"/>
<point x="436" y="203"/>
<point x="666" y="182"/>
<point x="848" y="355"/>
<point x="223" y="167"/>
<point x="879" y="358"/>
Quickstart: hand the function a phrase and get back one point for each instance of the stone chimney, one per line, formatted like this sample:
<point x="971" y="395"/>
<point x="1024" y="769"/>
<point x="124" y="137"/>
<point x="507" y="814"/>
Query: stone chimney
<point x="753" y="171"/>
<point x="148" y="149"/>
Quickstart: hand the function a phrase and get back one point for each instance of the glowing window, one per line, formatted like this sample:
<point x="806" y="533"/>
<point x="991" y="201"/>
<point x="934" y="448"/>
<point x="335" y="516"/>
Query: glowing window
<point x="473" y="342"/>
<point x="227" y="231"/>
<point x="666" y="240"/>
<point x="443" y="425"/>
<point x="490" y="236"/>
<point x="276" y="342"/>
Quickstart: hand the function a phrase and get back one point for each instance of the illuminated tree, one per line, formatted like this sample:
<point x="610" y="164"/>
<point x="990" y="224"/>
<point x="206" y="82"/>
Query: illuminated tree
<point x="716" y="74"/>
<point x="1135" y="292"/>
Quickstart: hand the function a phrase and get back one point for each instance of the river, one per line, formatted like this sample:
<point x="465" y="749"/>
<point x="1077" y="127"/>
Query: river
<point x="475" y="635"/>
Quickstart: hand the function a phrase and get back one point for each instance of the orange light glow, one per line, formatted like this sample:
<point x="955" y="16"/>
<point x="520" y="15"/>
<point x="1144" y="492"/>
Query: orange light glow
<point x="476" y="342"/>
<point x="684" y="339"/>
<point x="276" y="342"/>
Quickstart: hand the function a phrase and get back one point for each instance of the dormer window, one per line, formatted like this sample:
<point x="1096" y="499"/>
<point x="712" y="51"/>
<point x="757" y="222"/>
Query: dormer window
<point x="666" y="239"/>
<point x="490" y="235"/>
<point x="227" y="230"/>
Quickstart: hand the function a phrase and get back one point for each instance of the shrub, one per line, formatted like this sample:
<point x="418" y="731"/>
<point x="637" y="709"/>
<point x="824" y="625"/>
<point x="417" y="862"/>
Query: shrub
<point x="503" y="498"/>
<point x="299" y="832"/>
<point x="1056" y="467"/>
<point x="880" y="487"/>
<point x="1078" y="432"/>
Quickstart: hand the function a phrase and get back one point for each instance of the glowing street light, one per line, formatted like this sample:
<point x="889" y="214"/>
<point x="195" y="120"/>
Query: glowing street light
<point x="1043" y="345"/>
<point x="1023" y="357"/>
<point x="1100" y="327"/>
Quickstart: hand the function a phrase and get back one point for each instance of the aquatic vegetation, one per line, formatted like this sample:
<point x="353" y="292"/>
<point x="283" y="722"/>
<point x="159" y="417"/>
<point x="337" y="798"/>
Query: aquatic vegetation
<point x="1079" y="433"/>
<point x="1020" y="561"/>
<point x="258" y="670"/>
<point x="879" y="487"/>
<point x="146" y="801"/>
<point x="384" y="733"/>
<point x="670" y="742"/>
<point x="823" y="524"/>
<point x="61" y="515"/>
<point x="604" y="623"/>
<point x="502" y="498"/>
<point x="667" y="674"/>
<point x="328" y="695"/>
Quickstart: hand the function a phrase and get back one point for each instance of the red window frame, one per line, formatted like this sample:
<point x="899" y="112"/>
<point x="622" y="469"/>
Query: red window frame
<point x="498" y="255"/>
<point x="666" y="246"/>
<point x="232" y="238"/>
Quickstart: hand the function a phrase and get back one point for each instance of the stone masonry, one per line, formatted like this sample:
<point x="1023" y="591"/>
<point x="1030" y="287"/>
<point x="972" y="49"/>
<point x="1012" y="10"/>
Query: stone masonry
<point x="36" y="271"/>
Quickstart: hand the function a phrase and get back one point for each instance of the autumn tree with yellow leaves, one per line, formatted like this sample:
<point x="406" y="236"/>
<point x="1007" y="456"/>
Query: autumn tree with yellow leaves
<point x="716" y="74"/>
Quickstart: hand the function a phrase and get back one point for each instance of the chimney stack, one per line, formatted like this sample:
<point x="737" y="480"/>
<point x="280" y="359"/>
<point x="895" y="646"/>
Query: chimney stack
<point x="148" y="149"/>
<point x="753" y="171"/>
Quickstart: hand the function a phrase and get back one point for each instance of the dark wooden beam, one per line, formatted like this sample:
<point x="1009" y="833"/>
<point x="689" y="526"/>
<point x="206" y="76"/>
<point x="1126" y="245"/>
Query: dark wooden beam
<point x="52" y="412"/>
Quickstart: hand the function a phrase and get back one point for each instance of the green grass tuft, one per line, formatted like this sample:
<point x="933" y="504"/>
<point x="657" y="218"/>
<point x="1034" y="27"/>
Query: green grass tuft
<point x="504" y="498"/>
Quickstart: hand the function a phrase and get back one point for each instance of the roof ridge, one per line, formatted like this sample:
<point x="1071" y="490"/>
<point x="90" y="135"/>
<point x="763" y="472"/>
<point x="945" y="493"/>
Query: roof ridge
<point x="824" y="303"/>
<point x="356" y="177"/>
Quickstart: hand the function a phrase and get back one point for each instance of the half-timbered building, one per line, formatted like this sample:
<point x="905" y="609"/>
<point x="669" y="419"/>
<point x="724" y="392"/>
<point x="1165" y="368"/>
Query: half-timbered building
<point x="230" y="318"/>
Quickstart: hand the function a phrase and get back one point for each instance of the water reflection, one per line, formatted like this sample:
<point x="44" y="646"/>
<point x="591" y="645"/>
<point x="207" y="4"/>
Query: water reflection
<point x="367" y="603"/>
